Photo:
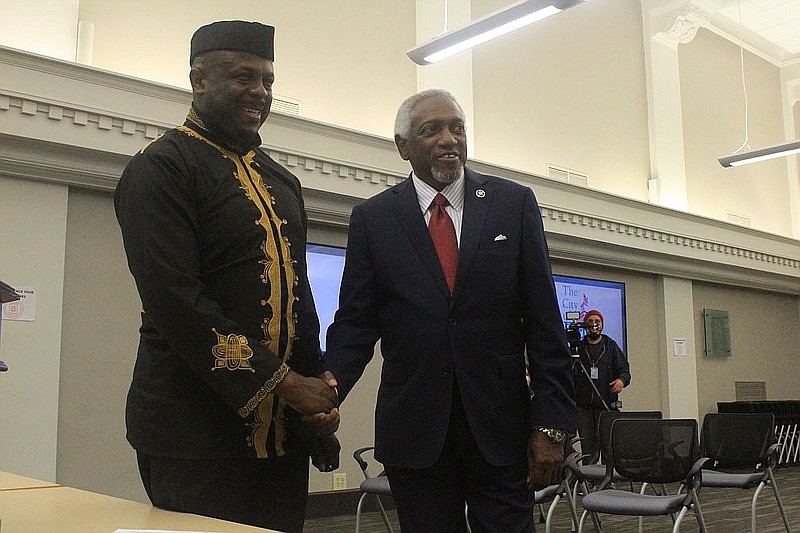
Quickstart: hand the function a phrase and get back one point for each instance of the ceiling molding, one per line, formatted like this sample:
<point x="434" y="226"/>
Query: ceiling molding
<point x="49" y="139"/>
<point x="677" y="22"/>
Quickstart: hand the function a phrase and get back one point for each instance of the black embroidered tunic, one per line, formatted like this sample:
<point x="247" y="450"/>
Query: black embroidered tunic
<point x="215" y="237"/>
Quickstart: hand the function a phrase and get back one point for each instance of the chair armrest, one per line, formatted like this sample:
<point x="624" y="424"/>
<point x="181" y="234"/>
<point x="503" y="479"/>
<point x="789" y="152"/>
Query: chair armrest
<point x="692" y="478"/>
<point x="572" y="461"/>
<point x="357" y="456"/>
<point x="593" y="457"/>
<point x="697" y="466"/>
<point x="569" y="459"/>
<point x="771" y="456"/>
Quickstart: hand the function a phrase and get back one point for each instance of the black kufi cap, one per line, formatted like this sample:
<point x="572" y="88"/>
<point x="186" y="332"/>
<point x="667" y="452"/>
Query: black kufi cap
<point x="238" y="35"/>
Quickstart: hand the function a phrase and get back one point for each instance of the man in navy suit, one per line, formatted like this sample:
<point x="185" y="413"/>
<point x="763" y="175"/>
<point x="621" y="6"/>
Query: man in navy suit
<point x="455" y="422"/>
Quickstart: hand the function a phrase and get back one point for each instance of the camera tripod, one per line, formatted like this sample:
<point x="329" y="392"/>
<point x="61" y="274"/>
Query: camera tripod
<point x="577" y="358"/>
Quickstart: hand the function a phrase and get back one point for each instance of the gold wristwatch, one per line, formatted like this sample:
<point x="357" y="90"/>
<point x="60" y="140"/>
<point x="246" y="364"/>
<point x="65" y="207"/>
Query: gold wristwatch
<point x="558" y="436"/>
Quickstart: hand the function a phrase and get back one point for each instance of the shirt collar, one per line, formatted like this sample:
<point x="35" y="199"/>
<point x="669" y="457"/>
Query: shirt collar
<point x="454" y="192"/>
<point x="195" y="121"/>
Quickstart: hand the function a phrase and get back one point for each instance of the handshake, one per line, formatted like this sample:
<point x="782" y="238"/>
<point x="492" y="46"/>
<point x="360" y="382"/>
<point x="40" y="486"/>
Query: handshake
<point x="317" y="401"/>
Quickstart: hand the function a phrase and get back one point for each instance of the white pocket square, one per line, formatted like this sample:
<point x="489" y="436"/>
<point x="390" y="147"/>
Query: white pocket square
<point x="501" y="237"/>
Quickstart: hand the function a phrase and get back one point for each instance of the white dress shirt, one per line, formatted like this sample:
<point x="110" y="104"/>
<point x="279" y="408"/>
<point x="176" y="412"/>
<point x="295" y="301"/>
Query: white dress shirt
<point x="454" y="193"/>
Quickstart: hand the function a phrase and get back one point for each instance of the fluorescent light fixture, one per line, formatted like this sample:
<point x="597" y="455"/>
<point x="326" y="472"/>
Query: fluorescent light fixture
<point x="483" y="29"/>
<point x="754" y="156"/>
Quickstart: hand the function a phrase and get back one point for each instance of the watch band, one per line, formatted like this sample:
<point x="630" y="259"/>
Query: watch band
<point x="558" y="436"/>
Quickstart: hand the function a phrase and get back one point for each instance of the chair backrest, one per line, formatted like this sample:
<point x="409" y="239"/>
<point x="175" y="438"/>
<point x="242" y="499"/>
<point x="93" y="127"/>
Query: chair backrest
<point x="361" y="455"/>
<point x="654" y="450"/>
<point x="605" y="422"/>
<point x="737" y="440"/>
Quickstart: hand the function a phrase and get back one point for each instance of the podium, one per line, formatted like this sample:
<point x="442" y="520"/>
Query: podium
<point x="7" y="294"/>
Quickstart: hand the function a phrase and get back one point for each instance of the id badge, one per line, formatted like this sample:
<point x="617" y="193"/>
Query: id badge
<point x="594" y="373"/>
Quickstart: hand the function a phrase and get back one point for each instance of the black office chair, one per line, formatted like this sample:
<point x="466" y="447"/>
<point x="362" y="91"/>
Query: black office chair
<point x="742" y="452"/>
<point x="653" y="451"/>
<point x="375" y="486"/>
<point x="599" y="471"/>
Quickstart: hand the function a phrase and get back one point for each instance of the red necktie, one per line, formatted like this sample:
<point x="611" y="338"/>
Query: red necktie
<point x="443" y="234"/>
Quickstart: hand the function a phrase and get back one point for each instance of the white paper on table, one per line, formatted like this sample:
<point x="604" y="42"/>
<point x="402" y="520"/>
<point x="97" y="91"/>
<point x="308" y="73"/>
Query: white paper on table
<point x="158" y="531"/>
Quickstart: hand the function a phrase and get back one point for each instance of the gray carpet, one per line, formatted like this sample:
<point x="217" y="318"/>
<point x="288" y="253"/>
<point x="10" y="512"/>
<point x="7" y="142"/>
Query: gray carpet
<point x="725" y="511"/>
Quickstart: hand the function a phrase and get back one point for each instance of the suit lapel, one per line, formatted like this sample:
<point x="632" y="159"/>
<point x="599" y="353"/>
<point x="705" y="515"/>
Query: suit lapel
<point x="477" y="197"/>
<point x="413" y="224"/>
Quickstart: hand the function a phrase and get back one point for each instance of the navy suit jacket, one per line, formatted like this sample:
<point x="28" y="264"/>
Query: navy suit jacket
<point x="503" y="303"/>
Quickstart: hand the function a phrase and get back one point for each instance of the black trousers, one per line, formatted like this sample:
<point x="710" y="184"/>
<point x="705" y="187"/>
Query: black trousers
<point x="269" y="493"/>
<point x="432" y="499"/>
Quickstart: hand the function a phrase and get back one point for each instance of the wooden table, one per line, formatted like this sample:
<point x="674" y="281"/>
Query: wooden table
<point x="9" y="481"/>
<point x="68" y="510"/>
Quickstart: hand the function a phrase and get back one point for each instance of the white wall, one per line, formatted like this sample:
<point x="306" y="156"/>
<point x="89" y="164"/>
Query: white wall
<point x="99" y="342"/>
<point x="568" y="91"/>
<point x="47" y="27"/>
<point x="757" y="353"/>
<point x="714" y="126"/>
<point x="340" y="60"/>
<point x="32" y="242"/>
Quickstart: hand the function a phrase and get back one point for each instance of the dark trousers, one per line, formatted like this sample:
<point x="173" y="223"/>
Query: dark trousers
<point x="432" y="499"/>
<point x="588" y="418"/>
<point x="269" y="493"/>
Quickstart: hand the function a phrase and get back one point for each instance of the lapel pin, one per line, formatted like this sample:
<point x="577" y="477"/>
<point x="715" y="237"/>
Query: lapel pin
<point x="480" y="193"/>
<point x="501" y="237"/>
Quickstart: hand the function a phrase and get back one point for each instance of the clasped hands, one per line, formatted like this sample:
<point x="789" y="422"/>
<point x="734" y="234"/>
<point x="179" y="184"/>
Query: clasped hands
<point x="318" y="404"/>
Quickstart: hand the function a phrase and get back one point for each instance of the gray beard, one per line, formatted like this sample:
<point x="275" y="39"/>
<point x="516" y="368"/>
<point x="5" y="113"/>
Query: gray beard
<point x="447" y="177"/>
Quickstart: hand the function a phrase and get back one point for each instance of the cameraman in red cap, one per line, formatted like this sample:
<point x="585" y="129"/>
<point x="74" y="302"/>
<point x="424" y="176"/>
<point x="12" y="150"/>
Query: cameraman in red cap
<point x="608" y="369"/>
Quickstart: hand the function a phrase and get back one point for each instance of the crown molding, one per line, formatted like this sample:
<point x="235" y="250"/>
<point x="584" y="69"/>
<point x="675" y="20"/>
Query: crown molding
<point x="82" y="135"/>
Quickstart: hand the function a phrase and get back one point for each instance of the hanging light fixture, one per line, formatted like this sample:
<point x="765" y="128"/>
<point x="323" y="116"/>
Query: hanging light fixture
<point x="755" y="156"/>
<point x="486" y="28"/>
<point x="744" y="155"/>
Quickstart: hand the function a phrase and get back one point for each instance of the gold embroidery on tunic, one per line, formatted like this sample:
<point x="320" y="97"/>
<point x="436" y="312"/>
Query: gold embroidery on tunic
<point x="232" y="352"/>
<point x="265" y="390"/>
<point x="278" y="272"/>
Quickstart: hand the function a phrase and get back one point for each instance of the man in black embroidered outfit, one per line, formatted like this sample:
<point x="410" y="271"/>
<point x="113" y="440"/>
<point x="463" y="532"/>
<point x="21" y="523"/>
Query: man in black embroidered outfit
<point x="228" y="399"/>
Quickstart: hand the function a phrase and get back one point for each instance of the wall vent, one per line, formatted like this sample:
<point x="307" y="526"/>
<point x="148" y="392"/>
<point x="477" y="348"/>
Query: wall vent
<point x="567" y="175"/>
<point x="737" y="218"/>
<point x="284" y="105"/>
<point x="750" y="391"/>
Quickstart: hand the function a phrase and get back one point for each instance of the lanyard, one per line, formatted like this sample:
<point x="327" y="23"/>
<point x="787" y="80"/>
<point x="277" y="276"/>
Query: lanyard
<point x="594" y="362"/>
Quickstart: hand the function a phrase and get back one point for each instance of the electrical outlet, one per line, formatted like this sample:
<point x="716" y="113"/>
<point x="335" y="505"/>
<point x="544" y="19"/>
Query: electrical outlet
<point x="340" y="481"/>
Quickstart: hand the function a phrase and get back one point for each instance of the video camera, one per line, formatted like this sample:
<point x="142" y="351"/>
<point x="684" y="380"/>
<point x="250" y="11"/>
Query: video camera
<point x="573" y="331"/>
